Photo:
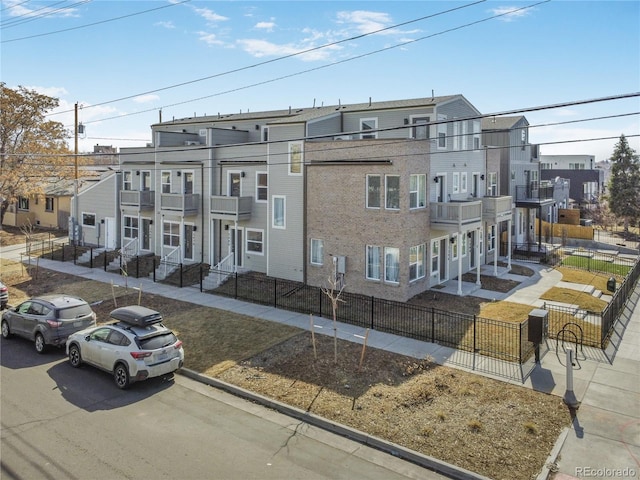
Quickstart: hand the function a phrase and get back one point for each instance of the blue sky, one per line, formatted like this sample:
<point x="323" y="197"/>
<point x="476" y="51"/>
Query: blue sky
<point x="204" y="57"/>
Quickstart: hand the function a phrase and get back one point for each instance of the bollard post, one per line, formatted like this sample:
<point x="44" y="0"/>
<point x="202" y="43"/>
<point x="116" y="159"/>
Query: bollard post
<point x="569" y="397"/>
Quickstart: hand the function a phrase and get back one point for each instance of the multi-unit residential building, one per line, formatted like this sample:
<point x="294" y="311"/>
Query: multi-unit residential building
<point x="381" y="198"/>
<point x="586" y="181"/>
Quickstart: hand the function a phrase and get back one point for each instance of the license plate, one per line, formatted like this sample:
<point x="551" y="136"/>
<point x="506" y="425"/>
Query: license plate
<point x="162" y="357"/>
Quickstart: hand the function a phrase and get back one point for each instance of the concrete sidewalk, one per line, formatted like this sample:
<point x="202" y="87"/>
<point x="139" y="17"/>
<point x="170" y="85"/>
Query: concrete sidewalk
<point x="604" y="440"/>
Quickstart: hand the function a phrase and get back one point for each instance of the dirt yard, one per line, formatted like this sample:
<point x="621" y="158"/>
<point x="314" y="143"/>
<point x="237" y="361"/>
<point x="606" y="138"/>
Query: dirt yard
<point x="499" y="430"/>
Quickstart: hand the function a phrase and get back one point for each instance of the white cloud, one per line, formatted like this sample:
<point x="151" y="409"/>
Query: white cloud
<point x="262" y="48"/>
<point x="168" y="25"/>
<point x="17" y="8"/>
<point x="365" y="21"/>
<point x="146" y="98"/>
<point x="55" y="92"/>
<point x="209" y="38"/>
<point x="210" y="15"/>
<point x="267" y="26"/>
<point x="510" y="13"/>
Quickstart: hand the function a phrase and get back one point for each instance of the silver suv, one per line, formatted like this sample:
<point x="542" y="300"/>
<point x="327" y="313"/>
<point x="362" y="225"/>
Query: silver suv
<point x="48" y="320"/>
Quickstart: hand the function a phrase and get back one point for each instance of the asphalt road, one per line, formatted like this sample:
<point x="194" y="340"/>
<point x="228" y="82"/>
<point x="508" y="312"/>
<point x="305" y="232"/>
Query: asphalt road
<point x="59" y="422"/>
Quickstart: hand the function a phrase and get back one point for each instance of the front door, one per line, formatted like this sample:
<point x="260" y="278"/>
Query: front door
<point x="443" y="260"/>
<point x="188" y="241"/>
<point x="110" y="238"/>
<point x="236" y="239"/>
<point x="472" y="249"/>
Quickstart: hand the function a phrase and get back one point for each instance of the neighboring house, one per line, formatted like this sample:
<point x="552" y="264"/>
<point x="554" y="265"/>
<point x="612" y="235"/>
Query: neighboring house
<point x="388" y="198"/>
<point x="99" y="212"/>
<point x="587" y="181"/>
<point x="519" y="177"/>
<point x="48" y="210"/>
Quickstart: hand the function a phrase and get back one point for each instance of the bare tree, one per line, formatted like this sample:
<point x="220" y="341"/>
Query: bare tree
<point x="334" y="295"/>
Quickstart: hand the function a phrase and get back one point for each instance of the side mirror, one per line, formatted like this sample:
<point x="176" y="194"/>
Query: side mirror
<point x="87" y="338"/>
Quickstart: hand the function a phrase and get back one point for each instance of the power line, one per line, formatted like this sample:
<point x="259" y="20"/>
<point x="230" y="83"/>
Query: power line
<point x="96" y="23"/>
<point x="30" y="17"/>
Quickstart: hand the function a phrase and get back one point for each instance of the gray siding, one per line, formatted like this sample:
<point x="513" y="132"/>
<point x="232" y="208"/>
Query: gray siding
<point x="102" y="200"/>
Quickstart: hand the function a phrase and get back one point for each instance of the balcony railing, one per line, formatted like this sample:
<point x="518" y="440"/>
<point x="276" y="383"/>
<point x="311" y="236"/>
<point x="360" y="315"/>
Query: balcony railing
<point x="135" y="198"/>
<point x="231" y="208"/>
<point x="188" y="203"/>
<point x="534" y="192"/>
<point x="456" y="213"/>
<point x="496" y="208"/>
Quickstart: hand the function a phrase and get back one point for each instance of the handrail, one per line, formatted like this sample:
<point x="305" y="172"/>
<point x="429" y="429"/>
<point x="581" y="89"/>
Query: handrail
<point x="129" y="247"/>
<point x="174" y="256"/>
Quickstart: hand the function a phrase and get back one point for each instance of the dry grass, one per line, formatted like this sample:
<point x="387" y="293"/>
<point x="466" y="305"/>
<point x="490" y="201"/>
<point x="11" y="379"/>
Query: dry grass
<point x="458" y="417"/>
<point x="570" y="296"/>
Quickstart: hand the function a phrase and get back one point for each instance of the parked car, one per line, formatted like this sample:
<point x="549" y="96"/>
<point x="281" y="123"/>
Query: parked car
<point x="48" y="320"/>
<point x="4" y="296"/>
<point x="138" y="346"/>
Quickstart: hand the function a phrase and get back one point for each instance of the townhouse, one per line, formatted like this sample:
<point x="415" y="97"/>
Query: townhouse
<point x="385" y="198"/>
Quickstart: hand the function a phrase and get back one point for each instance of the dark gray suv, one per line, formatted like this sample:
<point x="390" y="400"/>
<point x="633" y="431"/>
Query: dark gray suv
<point x="48" y="320"/>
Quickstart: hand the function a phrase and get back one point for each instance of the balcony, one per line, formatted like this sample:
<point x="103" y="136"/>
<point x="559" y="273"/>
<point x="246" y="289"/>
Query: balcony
<point x="231" y="208"/>
<point x="534" y="195"/>
<point x="456" y="215"/>
<point x="187" y="204"/>
<point x="497" y="209"/>
<point x="140" y="199"/>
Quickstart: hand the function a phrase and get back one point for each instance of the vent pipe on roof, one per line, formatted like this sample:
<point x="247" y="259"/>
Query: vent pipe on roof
<point x="289" y="109"/>
<point x="432" y="95"/>
<point x="369" y="101"/>
<point x="314" y="103"/>
<point x="160" y="116"/>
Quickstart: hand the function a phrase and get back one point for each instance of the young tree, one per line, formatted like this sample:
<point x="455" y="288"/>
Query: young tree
<point x="624" y="183"/>
<point x="33" y="150"/>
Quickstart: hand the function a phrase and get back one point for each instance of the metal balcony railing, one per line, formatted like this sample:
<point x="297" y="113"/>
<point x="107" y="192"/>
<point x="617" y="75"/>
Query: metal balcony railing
<point x="456" y="213"/>
<point x="496" y="207"/>
<point x="137" y="198"/>
<point x="185" y="203"/>
<point x="534" y="192"/>
<point x="231" y="208"/>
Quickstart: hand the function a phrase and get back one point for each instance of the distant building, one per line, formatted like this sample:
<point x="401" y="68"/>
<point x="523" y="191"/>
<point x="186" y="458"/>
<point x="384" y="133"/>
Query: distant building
<point x="587" y="181"/>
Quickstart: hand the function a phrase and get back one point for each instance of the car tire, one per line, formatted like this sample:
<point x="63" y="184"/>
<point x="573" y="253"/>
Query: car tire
<point x="121" y="376"/>
<point x="75" y="359"/>
<point x="6" y="332"/>
<point x="41" y="346"/>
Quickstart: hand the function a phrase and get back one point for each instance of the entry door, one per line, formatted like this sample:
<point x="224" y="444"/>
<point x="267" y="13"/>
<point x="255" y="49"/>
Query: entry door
<point x="188" y="241"/>
<point x="110" y="238"/>
<point x="236" y="237"/>
<point x="443" y="260"/>
<point x="472" y="249"/>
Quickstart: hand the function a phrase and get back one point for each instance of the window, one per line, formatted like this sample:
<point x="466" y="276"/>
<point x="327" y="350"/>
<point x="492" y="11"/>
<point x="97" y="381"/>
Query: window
<point x="234" y="184"/>
<point x="492" y="184"/>
<point x="373" y="191"/>
<point x="145" y="180"/>
<point x="130" y="227"/>
<point x="391" y="265"/>
<point x="316" y="251"/>
<point x="279" y="212"/>
<point x="48" y="204"/>
<point x="463" y="182"/>
<point x="454" y="247"/>
<point x="456" y="182"/>
<point x="442" y="132"/>
<point x="457" y="139"/>
<point x="373" y="262"/>
<point x="464" y="245"/>
<point x="255" y="242"/>
<point x="265" y="134"/>
<point x="126" y="180"/>
<point x="171" y="234"/>
<point x="476" y="134"/>
<point x="23" y="203"/>
<point x="416" y="262"/>
<point x="88" y="219"/>
<point x="392" y="189"/>
<point x="464" y="140"/>
<point x="262" y="186"/>
<point x="420" y="130"/>
<point x="165" y="181"/>
<point x="491" y="238"/>
<point x="435" y="256"/>
<point x="368" y="126"/>
<point x="295" y="158"/>
<point x="417" y="191"/>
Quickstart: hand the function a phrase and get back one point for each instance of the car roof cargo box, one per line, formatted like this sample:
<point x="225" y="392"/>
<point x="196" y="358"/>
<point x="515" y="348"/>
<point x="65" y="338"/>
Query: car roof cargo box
<point x="136" y="315"/>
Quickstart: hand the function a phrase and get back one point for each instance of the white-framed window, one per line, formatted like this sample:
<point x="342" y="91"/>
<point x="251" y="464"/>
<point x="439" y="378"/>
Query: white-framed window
<point x="255" y="241"/>
<point x="373" y="191"/>
<point x="234" y="183"/>
<point x="464" y="139"/>
<point x="279" y="204"/>
<point x="373" y="262"/>
<point x="130" y="226"/>
<point x="481" y="240"/>
<point x="476" y="134"/>
<point x="463" y="182"/>
<point x="456" y="182"/>
<point x="454" y="246"/>
<point x="165" y="181"/>
<point x="417" y="191"/>
<point x="316" y="251"/>
<point x="492" y="184"/>
<point x="420" y="128"/>
<point x="88" y="219"/>
<point x="295" y="158"/>
<point x="435" y="256"/>
<point x="416" y="262"/>
<point x="23" y="203"/>
<point x="170" y="234"/>
<point x="392" y="192"/>
<point x="442" y="132"/>
<point x="391" y="265"/>
<point x="491" y="238"/>
<point x="145" y="180"/>
<point x="262" y="187"/>
<point x="127" y="179"/>
<point x="369" y="128"/>
<point x="48" y="204"/>
<point x="464" y="244"/>
<point x="457" y="139"/>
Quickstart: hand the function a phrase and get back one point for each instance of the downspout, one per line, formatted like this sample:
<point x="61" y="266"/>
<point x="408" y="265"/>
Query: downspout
<point x="202" y="216"/>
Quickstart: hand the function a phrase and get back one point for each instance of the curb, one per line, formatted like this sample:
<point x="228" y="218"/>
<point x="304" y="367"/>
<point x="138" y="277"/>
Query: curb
<point x="550" y="465"/>
<point x="398" y="451"/>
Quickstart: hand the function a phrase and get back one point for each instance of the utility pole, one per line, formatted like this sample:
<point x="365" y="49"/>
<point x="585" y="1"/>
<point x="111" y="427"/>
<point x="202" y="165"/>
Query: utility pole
<point x="76" y="222"/>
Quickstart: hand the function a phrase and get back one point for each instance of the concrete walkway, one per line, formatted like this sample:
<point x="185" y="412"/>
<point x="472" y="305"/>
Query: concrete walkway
<point x="604" y="440"/>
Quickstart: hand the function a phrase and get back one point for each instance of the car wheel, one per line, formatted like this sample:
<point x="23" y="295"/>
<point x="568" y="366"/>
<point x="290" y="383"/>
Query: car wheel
<point x="74" y="356"/>
<point x="39" y="342"/>
<point x="6" y="333"/>
<point x="121" y="376"/>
